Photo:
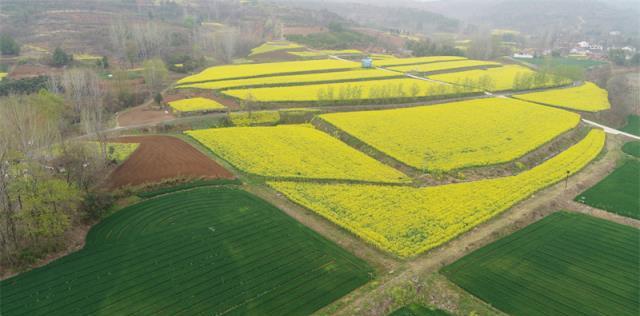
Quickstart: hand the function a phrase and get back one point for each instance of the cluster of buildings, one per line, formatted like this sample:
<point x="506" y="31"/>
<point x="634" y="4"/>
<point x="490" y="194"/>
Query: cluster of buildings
<point x="583" y="48"/>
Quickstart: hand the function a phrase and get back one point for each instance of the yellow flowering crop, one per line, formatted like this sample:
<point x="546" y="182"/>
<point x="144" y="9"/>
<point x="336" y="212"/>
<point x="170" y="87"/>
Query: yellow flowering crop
<point x="295" y="79"/>
<point x="195" y="104"/>
<point x="408" y="221"/>
<point x="115" y="151"/>
<point x="293" y="151"/>
<point x="2" y="75"/>
<point x="587" y="97"/>
<point x="254" y="118"/>
<point x="502" y="78"/>
<point x="327" y="52"/>
<point x="447" y="65"/>
<point x="253" y="70"/>
<point x="459" y="134"/>
<point x="274" y="46"/>
<point x="120" y="151"/>
<point x="356" y="90"/>
<point x="414" y="60"/>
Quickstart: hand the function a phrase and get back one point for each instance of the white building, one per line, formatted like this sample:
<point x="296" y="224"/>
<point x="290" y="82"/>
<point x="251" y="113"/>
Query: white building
<point x="583" y="44"/>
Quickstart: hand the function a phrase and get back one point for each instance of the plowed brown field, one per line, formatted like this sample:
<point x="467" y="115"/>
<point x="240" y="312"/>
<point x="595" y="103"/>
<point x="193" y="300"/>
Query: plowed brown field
<point x="164" y="157"/>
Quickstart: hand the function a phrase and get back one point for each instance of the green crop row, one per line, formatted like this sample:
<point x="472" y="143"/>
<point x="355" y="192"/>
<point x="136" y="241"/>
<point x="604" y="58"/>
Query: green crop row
<point x="565" y="264"/>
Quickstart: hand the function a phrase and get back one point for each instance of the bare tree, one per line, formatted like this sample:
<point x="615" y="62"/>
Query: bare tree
<point x="85" y="91"/>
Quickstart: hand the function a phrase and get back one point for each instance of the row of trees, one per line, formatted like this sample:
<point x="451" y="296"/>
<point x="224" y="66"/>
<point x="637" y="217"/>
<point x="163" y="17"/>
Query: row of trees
<point x="44" y="181"/>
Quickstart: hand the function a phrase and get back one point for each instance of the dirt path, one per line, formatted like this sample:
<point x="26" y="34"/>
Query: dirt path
<point x="163" y="157"/>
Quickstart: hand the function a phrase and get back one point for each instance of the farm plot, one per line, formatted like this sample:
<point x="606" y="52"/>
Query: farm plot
<point x="293" y="151"/>
<point x="358" y="74"/>
<point x="163" y="157"/>
<point x="632" y="148"/>
<point x="565" y="264"/>
<point x="207" y="251"/>
<point x="274" y="46"/>
<point x="633" y="125"/>
<point x="347" y="91"/>
<point x="323" y="53"/>
<point x="618" y="193"/>
<point x="459" y="134"/>
<point x="587" y="97"/>
<point x="407" y="221"/>
<point x="508" y="77"/>
<point x="389" y="62"/>
<point x="441" y="66"/>
<point x="196" y="105"/>
<point x="255" y="70"/>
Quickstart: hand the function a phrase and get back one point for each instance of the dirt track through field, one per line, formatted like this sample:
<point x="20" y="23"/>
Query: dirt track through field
<point x="163" y="157"/>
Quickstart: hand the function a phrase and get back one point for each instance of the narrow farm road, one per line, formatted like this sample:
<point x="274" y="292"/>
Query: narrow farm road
<point x="610" y="130"/>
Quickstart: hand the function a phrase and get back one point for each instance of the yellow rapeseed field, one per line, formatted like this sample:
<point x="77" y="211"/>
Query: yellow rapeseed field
<point x="407" y="221"/>
<point x="508" y="77"/>
<point x="294" y="151"/>
<point x="273" y="46"/>
<point x="343" y="91"/>
<point x="447" y="65"/>
<point x="587" y="97"/>
<point x="196" y="104"/>
<point x="254" y="118"/>
<point x="458" y="134"/>
<point x="294" y="79"/>
<point x="327" y="52"/>
<point x="253" y="70"/>
<point x="414" y="60"/>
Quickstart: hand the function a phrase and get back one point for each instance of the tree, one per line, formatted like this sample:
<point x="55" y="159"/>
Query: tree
<point x="158" y="98"/>
<point x="103" y="62"/>
<point x="617" y="56"/>
<point x="60" y="58"/>
<point x="8" y="46"/>
<point x="155" y="73"/>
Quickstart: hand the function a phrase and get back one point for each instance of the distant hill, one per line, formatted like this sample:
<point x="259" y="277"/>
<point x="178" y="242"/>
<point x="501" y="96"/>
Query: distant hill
<point x="402" y="15"/>
<point x="590" y="17"/>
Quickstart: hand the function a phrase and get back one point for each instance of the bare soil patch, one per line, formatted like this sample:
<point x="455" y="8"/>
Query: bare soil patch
<point x="29" y="71"/>
<point x="303" y="30"/>
<point x="163" y="157"/>
<point x="143" y="114"/>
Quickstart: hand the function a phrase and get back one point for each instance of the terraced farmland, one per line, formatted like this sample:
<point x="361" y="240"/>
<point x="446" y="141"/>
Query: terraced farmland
<point x="448" y="65"/>
<point x="274" y="46"/>
<point x="565" y="264"/>
<point x="204" y="251"/>
<point x="618" y="192"/>
<point x="587" y="97"/>
<point x="255" y="70"/>
<point x="407" y="221"/>
<point x="389" y="62"/>
<point x="347" y="91"/>
<point x="294" y="80"/>
<point x="459" y="134"/>
<point x="508" y="77"/>
<point x="293" y="151"/>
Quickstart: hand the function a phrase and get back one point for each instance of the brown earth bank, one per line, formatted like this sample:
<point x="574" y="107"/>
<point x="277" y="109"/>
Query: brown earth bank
<point x="143" y="114"/>
<point x="163" y="157"/>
